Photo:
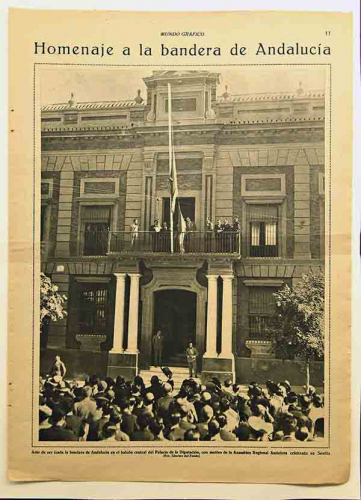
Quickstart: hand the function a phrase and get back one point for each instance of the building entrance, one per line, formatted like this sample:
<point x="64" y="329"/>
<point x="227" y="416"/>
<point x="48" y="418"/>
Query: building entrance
<point x="175" y="313"/>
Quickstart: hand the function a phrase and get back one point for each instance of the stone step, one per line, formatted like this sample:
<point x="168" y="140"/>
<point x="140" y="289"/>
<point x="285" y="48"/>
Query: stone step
<point x="179" y="374"/>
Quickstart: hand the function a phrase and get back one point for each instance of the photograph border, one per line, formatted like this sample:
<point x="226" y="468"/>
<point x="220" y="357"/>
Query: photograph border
<point x="327" y="257"/>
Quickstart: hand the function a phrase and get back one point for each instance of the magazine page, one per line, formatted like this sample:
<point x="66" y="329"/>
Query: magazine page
<point x="180" y="246"/>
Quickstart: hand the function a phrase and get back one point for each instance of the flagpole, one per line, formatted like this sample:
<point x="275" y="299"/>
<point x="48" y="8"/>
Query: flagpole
<point x="170" y="163"/>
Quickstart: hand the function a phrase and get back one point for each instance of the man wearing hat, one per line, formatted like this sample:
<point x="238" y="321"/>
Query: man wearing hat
<point x="57" y="432"/>
<point x="260" y="429"/>
<point x="192" y="353"/>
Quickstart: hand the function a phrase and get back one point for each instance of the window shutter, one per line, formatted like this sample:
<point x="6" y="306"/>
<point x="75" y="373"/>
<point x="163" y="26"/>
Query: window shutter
<point x="96" y="214"/>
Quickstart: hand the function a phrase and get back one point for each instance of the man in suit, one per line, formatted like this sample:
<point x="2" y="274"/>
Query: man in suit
<point x="227" y="236"/>
<point x="155" y="236"/>
<point x="218" y="230"/>
<point x="192" y="353"/>
<point x="158" y="342"/>
<point x="57" y="432"/>
<point x="236" y="235"/>
<point x="189" y="240"/>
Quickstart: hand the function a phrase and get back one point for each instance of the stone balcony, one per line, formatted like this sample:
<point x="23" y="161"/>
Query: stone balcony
<point x="93" y="244"/>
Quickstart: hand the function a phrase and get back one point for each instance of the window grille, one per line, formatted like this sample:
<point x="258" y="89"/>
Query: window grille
<point x="93" y="311"/>
<point x="263" y="227"/>
<point x="261" y="312"/>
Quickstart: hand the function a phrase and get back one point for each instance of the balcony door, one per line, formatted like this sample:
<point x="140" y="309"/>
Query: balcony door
<point x="95" y="224"/>
<point x="188" y="208"/>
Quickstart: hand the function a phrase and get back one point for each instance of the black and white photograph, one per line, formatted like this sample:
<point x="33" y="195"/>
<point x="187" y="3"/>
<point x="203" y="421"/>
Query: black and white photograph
<point x="182" y="241"/>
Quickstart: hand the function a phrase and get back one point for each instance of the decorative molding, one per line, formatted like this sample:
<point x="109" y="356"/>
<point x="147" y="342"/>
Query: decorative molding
<point x="259" y="199"/>
<point x="92" y="279"/>
<point x="252" y="194"/>
<point x="208" y="162"/>
<point x="97" y="180"/>
<point x="149" y="160"/>
<point x="183" y="279"/>
<point x="263" y="282"/>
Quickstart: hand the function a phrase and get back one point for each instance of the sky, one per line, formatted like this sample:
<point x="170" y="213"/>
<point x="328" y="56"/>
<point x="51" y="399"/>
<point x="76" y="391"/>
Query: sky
<point x="112" y="84"/>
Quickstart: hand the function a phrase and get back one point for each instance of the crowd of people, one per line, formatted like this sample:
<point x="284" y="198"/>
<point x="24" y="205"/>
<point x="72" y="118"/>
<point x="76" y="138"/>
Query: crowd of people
<point x="120" y="410"/>
<point x="222" y="237"/>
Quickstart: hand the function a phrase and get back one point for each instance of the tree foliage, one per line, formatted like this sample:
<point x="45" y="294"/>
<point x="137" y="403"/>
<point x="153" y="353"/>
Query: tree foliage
<point x="51" y="301"/>
<point x="298" y="330"/>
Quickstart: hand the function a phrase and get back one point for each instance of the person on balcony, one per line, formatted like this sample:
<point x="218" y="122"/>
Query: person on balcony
<point x="189" y="240"/>
<point x="218" y="231"/>
<point x="236" y="236"/>
<point x="209" y="235"/>
<point x="155" y="229"/>
<point x="227" y="236"/>
<point x="164" y="238"/>
<point x="134" y="233"/>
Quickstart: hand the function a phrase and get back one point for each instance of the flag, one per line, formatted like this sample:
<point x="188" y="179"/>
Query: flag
<point x="181" y="222"/>
<point x="181" y="226"/>
<point x="173" y="182"/>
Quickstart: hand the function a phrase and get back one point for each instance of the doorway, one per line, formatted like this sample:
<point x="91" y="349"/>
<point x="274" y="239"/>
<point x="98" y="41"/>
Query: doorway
<point x="188" y="208"/>
<point x="175" y="313"/>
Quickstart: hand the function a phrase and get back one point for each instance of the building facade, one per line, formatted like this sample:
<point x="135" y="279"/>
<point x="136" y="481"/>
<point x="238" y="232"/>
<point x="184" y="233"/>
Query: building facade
<point x="255" y="157"/>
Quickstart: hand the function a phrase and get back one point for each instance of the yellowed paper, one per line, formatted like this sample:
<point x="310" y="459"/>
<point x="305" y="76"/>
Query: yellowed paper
<point x="259" y="138"/>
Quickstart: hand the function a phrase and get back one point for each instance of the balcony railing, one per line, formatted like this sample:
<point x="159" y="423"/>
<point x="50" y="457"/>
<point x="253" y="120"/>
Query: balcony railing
<point x="193" y="242"/>
<point x="98" y="243"/>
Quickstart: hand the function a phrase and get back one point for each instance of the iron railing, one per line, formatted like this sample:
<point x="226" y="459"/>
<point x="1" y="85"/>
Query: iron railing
<point x="92" y="243"/>
<point x="192" y="242"/>
<point x="98" y="243"/>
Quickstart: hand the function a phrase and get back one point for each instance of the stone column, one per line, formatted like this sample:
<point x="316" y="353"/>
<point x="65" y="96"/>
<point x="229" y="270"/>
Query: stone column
<point x="119" y="314"/>
<point x="211" y="340"/>
<point x="227" y="317"/>
<point x="133" y="314"/>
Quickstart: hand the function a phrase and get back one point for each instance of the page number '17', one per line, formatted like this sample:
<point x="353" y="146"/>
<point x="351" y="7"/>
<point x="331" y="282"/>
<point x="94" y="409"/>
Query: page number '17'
<point x="328" y="33"/>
